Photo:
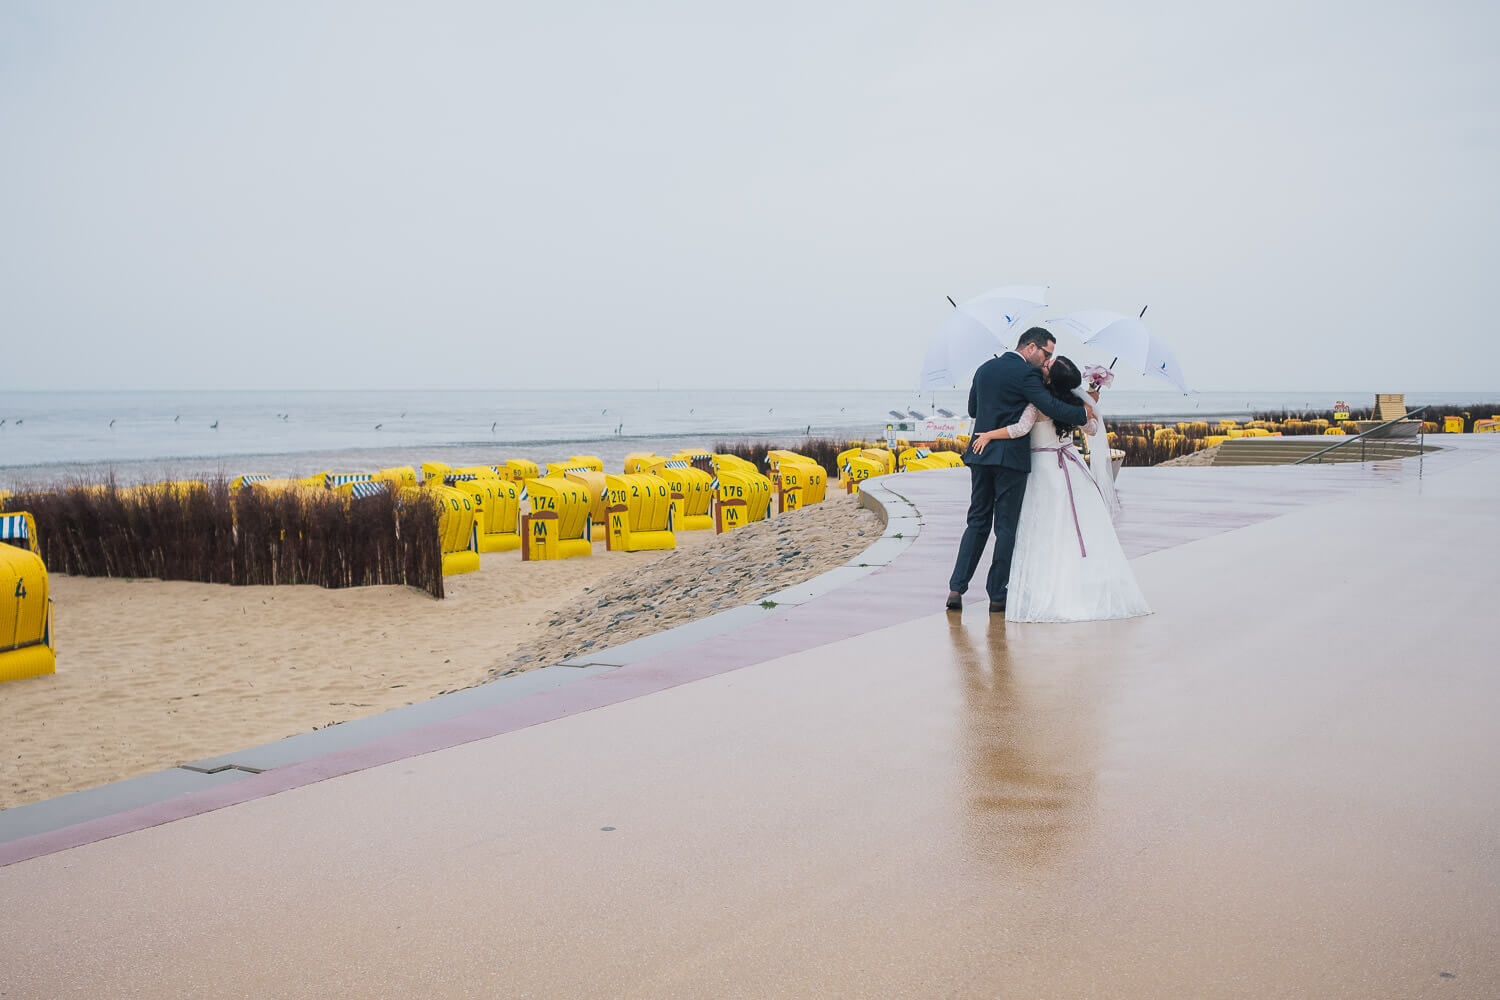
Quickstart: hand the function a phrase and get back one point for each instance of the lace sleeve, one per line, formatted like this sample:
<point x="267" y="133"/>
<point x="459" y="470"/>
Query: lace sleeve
<point x="1022" y="427"/>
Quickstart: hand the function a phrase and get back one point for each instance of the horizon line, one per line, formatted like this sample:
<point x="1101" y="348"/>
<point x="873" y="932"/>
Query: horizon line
<point x="720" y="388"/>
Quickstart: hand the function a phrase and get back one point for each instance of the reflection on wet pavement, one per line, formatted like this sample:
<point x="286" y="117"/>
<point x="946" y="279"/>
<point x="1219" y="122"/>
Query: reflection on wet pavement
<point x="1028" y="775"/>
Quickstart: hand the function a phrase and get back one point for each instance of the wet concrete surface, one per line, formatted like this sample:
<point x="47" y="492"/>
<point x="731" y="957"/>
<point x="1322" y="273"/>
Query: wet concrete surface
<point x="1280" y="784"/>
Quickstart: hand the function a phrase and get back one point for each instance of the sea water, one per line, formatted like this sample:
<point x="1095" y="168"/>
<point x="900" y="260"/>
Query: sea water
<point x="138" y="436"/>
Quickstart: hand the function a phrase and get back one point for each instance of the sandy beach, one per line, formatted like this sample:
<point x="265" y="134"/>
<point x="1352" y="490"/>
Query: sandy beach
<point x="154" y="673"/>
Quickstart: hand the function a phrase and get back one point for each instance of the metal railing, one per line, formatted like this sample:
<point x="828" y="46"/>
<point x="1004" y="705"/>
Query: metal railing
<point x="1421" y="438"/>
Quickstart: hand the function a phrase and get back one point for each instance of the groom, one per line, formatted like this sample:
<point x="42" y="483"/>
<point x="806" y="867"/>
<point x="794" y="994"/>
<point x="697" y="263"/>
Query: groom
<point x="1002" y="387"/>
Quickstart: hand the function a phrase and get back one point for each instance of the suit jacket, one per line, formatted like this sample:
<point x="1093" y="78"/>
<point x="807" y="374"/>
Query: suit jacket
<point x="1002" y="388"/>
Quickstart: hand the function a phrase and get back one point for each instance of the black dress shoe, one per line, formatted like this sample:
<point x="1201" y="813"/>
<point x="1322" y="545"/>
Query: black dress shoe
<point x="955" y="601"/>
<point x="997" y="607"/>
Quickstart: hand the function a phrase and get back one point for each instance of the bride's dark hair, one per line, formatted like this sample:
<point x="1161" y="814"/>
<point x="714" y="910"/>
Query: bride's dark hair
<point x="1062" y="379"/>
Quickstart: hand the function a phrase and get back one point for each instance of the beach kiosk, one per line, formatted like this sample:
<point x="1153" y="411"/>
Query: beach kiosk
<point x="641" y="513"/>
<point x="25" y="602"/>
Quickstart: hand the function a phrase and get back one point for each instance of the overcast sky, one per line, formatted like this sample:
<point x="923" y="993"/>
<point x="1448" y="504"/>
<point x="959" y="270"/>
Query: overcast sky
<point x="488" y="195"/>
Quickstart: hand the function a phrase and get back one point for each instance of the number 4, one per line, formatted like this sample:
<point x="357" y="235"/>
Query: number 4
<point x="21" y="587"/>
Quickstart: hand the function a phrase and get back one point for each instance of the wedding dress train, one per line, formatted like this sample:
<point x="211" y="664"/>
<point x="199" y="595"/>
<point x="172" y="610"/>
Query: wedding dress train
<point x="1068" y="565"/>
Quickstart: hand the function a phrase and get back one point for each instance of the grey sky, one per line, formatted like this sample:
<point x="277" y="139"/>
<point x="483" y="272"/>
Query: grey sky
<point x="368" y="195"/>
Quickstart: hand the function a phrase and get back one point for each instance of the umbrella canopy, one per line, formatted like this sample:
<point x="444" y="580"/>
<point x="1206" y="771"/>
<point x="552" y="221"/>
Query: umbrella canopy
<point x="1127" y="338"/>
<point x="976" y="331"/>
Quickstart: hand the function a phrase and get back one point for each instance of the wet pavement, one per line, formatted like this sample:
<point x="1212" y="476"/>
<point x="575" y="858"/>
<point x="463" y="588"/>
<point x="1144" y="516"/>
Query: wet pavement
<point x="1281" y="783"/>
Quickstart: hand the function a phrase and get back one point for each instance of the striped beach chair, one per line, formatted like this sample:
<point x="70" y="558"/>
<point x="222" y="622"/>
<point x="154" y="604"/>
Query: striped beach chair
<point x="18" y="529"/>
<point x="692" y="494"/>
<point x="558" y="524"/>
<point x="360" y="489"/>
<point x="740" y="498"/>
<point x="333" y="480"/>
<point x="26" y="611"/>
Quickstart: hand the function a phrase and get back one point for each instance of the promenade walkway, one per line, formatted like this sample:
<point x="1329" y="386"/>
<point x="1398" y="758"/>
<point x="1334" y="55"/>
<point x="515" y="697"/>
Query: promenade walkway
<point x="1281" y="783"/>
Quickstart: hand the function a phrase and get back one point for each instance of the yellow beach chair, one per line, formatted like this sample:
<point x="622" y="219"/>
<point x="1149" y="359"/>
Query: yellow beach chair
<point x="25" y="602"/>
<point x="692" y="494"/>
<point x="641" y="513"/>
<point x="559" y="525"/>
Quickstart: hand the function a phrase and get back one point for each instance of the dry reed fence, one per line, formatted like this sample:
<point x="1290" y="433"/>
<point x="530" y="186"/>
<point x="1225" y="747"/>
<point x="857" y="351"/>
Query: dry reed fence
<point x="208" y="534"/>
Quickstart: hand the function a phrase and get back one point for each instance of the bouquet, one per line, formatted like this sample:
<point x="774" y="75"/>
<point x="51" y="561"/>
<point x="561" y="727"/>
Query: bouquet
<point x="1096" y="377"/>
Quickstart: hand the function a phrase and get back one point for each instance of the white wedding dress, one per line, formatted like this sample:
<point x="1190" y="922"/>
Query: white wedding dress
<point x="1068" y="565"/>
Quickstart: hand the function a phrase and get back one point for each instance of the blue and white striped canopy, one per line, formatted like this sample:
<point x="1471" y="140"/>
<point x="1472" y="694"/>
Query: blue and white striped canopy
<point x="676" y="463"/>
<point x="459" y="477"/>
<point x="334" y="480"/>
<point x="254" y="477"/>
<point x="13" y="526"/>
<point x="366" y="488"/>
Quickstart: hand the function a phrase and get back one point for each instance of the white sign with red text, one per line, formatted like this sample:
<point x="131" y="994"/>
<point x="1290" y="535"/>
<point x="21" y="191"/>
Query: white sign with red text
<point x="940" y="427"/>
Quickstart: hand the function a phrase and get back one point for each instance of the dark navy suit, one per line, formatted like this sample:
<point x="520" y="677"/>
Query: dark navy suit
<point x="1002" y="388"/>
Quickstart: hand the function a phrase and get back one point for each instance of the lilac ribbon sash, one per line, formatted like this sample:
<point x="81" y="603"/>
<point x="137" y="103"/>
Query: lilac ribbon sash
<point x="1064" y="454"/>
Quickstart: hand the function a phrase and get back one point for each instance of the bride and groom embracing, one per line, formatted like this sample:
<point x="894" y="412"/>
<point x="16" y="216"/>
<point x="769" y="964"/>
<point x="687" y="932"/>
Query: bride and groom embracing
<point x="1057" y="558"/>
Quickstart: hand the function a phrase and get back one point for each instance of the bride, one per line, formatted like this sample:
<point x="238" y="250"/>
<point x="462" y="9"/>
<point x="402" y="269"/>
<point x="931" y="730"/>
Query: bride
<point x="1068" y="565"/>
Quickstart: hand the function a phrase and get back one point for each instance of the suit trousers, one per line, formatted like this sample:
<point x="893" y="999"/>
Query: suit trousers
<point x="995" y="495"/>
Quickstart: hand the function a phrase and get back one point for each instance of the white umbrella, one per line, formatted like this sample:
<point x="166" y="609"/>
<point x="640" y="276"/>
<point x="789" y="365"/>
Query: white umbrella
<point x="976" y="331"/>
<point x="1127" y="338"/>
